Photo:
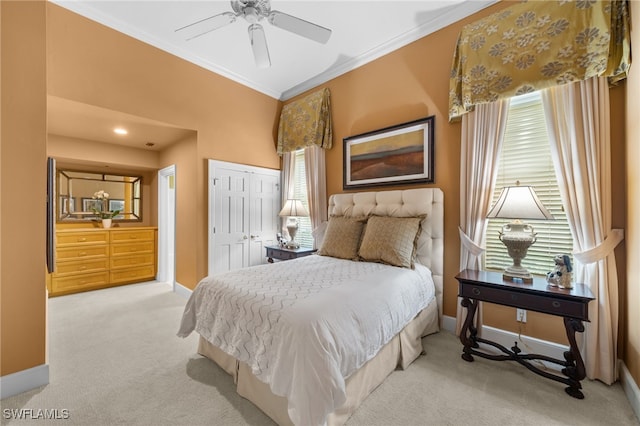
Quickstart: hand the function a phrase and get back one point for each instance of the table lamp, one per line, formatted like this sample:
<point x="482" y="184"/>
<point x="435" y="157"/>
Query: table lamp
<point x="518" y="203"/>
<point x="292" y="209"/>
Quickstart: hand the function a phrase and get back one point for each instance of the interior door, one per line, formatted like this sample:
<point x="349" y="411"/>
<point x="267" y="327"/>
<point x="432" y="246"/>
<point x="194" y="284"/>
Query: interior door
<point x="230" y="234"/>
<point x="264" y="208"/>
<point x="244" y="202"/>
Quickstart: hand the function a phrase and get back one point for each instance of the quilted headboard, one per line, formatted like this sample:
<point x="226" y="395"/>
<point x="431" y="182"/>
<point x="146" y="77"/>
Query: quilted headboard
<point x="404" y="203"/>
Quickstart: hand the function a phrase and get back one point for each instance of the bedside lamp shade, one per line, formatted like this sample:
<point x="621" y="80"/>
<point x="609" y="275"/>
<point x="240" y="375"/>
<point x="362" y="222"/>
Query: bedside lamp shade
<point x="293" y="208"/>
<point x="517" y="203"/>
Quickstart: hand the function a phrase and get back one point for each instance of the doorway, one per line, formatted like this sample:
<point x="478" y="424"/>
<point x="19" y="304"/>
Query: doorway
<point x="167" y="226"/>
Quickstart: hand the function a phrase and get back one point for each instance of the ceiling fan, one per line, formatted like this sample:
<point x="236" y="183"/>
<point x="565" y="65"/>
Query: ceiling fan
<point x="253" y="11"/>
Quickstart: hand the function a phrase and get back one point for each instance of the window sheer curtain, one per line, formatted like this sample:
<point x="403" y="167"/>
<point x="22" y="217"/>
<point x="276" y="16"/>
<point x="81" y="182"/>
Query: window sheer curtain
<point x="578" y="121"/>
<point x="314" y="159"/>
<point x="481" y="142"/>
<point x="288" y="184"/>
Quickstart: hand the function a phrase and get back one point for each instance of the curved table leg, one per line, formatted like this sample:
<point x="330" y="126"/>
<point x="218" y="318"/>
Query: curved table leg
<point x="574" y="370"/>
<point x="469" y="332"/>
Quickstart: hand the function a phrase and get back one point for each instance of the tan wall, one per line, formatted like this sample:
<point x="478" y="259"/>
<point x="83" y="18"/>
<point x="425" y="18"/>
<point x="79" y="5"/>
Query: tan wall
<point x="184" y="156"/>
<point x="631" y="304"/>
<point x="23" y="161"/>
<point x="92" y="64"/>
<point x="92" y="153"/>
<point x="411" y="83"/>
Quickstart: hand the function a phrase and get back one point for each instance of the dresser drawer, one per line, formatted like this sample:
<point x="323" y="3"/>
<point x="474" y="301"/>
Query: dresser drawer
<point x="540" y="303"/>
<point x="77" y="253"/>
<point x="132" y="235"/>
<point x="132" y="260"/>
<point x="78" y="282"/>
<point x="79" y="238"/>
<point x="132" y="248"/>
<point x="133" y="274"/>
<point x="84" y="266"/>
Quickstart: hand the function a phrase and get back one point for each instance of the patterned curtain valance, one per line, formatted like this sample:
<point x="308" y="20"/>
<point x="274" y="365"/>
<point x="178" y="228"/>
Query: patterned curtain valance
<point x="534" y="45"/>
<point x="306" y="122"/>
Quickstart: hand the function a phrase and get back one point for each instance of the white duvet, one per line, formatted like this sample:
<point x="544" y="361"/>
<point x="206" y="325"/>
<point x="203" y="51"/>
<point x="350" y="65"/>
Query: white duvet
<point x="303" y="326"/>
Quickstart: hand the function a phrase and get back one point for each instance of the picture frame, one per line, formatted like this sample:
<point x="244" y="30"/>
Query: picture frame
<point x="116" y="204"/>
<point x="91" y="204"/>
<point x="400" y="154"/>
<point x="65" y="205"/>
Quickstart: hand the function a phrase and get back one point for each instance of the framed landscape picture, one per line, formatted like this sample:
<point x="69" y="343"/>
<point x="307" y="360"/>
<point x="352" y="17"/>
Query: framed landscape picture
<point x="391" y="156"/>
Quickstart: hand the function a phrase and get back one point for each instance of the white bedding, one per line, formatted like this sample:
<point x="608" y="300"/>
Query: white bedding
<point x="305" y="325"/>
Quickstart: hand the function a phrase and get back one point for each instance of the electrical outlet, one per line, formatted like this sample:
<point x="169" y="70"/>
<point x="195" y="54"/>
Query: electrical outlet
<point x="521" y="315"/>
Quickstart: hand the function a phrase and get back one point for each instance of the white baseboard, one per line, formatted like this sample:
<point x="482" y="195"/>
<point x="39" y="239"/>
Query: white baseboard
<point x="630" y="388"/>
<point x="506" y="338"/>
<point x="181" y="290"/>
<point x="449" y="324"/>
<point x="23" y="381"/>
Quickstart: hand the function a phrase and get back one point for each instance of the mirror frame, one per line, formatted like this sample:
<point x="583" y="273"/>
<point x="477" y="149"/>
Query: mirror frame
<point x="64" y="216"/>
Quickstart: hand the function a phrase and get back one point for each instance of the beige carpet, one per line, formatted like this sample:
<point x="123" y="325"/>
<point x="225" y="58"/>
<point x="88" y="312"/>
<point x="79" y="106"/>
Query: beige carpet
<point x="115" y="360"/>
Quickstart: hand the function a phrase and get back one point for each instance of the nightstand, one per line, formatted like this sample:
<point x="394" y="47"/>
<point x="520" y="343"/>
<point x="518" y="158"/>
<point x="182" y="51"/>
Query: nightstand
<point x="571" y="304"/>
<point x="281" y="253"/>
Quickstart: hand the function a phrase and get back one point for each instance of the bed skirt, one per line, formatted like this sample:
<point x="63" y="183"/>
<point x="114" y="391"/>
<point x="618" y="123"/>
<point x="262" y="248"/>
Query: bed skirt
<point x="401" y="351"/>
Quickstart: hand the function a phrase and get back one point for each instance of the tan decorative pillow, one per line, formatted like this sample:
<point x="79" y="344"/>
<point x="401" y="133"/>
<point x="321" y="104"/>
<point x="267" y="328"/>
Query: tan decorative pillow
<point x="390" y="240"/>
<point x="342" y="238"/>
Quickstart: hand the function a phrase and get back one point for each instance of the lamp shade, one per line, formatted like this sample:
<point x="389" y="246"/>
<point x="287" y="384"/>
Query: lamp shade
<point x="519" y="202"/>
<point x="293" y="207"/>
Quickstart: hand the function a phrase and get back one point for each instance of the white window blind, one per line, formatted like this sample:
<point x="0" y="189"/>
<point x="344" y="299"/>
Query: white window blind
<point x="526" y="157"/>
<point x="303" y="236"/>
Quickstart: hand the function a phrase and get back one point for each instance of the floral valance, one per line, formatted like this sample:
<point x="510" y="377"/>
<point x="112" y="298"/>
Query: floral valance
<point x="534" y="45"/>
<point x="306" y="122"/>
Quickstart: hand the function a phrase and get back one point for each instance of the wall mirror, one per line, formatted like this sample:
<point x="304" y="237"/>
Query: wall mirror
<point x="77" y="201"/>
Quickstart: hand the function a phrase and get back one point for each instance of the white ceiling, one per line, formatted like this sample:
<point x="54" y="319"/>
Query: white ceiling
<point x="361" y="32"/>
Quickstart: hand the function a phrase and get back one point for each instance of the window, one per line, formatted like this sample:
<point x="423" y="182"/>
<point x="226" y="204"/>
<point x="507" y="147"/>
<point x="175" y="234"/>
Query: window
<point x="303" y="236"/>
<point x="526" y="157"/>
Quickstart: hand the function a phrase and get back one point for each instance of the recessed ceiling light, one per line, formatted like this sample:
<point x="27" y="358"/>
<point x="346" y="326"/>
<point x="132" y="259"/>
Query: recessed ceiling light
<point x="120" y="131"/>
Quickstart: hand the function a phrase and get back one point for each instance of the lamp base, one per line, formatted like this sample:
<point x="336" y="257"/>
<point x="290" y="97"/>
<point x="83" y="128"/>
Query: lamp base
<point x="517" y="237"/>
<point x="292" y="228"/>
<point x="517" y="275"/>
<point x="292" y="245"/>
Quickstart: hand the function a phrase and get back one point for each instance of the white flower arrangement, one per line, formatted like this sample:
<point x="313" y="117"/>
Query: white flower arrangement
<point x="105" y="213"/>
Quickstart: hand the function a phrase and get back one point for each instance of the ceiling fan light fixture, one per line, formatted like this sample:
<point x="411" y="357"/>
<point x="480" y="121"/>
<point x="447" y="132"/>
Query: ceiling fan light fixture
<point x="251" y="15"/>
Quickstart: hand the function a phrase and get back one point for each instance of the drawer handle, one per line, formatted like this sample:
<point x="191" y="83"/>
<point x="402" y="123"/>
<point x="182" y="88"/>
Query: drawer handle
<point x="475" y="291"/>
<point x="82" y="239"/>
<point x="555" y="304"/>
<point x="82" y="253"/>
<point x="82" y="268"/>
<point x="133" y="237"/>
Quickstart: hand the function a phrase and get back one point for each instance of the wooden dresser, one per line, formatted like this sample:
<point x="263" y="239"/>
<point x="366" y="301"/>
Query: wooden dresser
<point x="88" y="259"/>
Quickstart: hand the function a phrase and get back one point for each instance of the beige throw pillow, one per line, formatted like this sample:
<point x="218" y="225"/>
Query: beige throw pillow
<point x="342" y="238"/>
<point x="390" y="240"/>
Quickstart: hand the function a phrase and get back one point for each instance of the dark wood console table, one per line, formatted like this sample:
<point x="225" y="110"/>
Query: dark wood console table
<point x="572" y="305"/>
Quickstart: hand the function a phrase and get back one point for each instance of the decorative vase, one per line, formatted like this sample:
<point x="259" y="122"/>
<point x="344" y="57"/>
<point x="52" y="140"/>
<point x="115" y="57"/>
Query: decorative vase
<point x="106" y="223"/>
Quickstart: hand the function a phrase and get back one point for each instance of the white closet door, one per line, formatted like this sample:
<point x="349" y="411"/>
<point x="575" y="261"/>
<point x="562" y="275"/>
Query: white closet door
<point x="244" y="202"/>
<point x="264" y="208"/>
<point x="230" y="220"/>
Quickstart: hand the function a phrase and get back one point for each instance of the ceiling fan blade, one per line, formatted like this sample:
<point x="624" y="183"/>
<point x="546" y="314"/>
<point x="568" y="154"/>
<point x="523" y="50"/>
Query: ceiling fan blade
<point x="259" y="46"/>
<point x="207" y="25"/>
<point x="299" y="26"/>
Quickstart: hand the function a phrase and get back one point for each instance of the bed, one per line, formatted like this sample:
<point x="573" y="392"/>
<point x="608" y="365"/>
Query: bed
<point x="307" y="340"/>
